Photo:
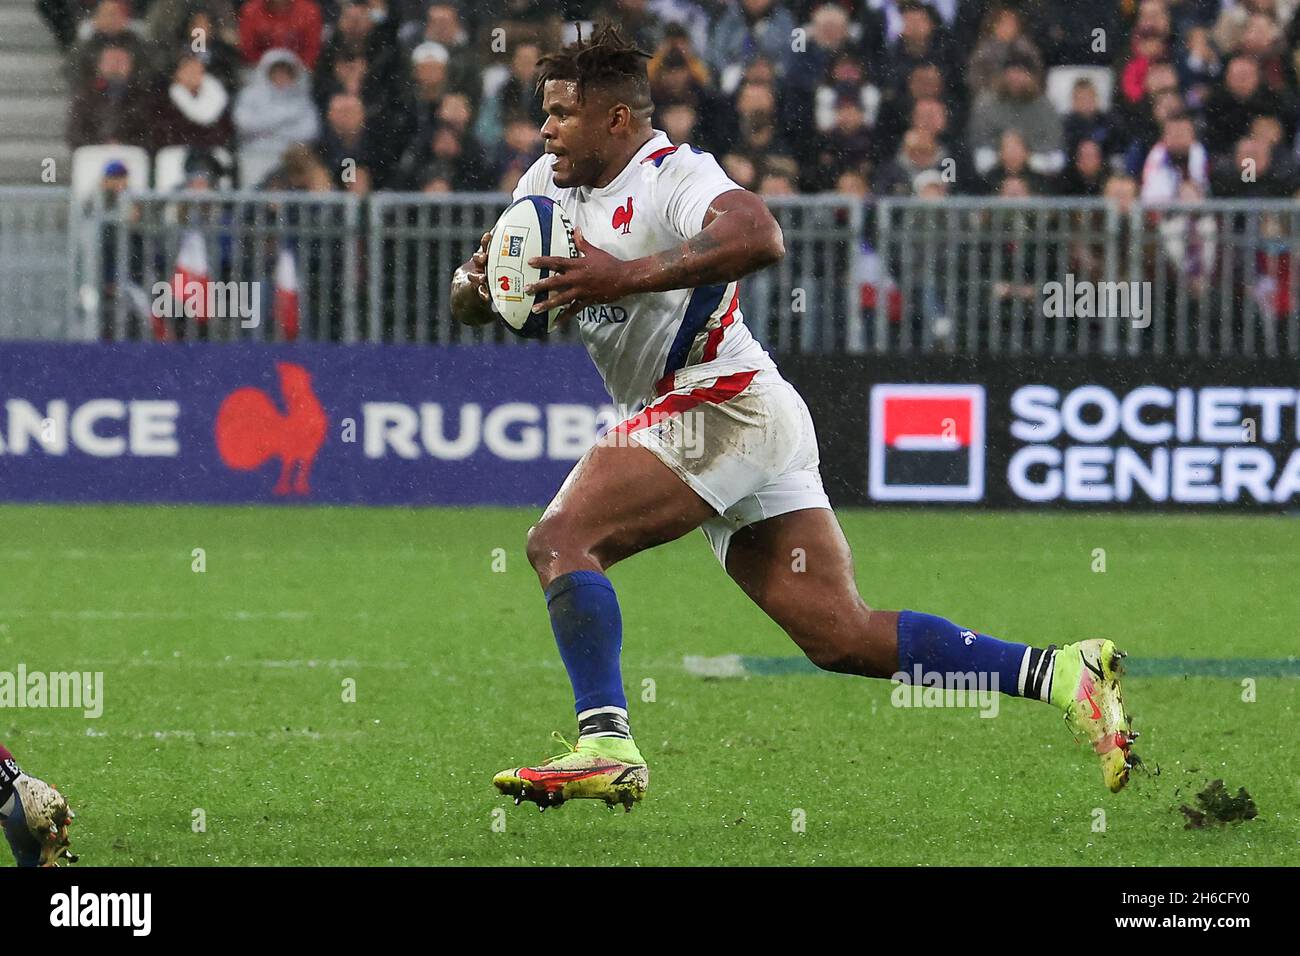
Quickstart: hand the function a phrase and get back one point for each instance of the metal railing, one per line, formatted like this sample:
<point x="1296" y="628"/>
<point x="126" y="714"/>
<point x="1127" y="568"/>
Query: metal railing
<point x="36" y="277"/>
<point x="1068" y="277"/>
<point x="964" y="275"/>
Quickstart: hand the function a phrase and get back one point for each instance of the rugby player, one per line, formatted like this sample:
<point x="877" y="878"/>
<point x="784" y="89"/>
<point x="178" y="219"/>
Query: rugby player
<point x="664" y="236"/>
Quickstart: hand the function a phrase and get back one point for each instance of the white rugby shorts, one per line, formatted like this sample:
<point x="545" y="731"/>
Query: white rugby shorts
<point x="744" y="442"/>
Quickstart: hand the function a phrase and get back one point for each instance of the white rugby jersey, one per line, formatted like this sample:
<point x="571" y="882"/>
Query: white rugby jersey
<point x="644" y="345"/>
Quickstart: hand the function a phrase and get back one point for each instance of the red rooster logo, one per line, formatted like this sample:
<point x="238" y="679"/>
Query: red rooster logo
<point x="623" y="217"/>
<point x="251" y="430"/>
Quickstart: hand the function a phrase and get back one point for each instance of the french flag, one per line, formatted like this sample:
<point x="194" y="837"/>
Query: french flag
<point x="189" y="282"/>
<point x="286" y="294"/>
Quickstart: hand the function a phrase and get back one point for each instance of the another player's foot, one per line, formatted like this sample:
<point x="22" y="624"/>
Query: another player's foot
<point x="598" y="768"/>
<point x="1085" y="684"/>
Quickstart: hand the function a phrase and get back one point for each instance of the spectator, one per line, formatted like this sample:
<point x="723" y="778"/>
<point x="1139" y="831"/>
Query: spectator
<point x="518" y="94"/>
<point x="1086" y="120"/>
<point x="1232" y="107"/>
<point x="451" y="154"/>
<point x="1017" y="103"/>
<point x="635" y="21"/>
<point x="346" y="148"/>
<point x="194" y="108"/>
<point x="1141" y="122"/>
<point x="442" y="25"/>
<point x="852" y="182"/>
<point x="208" y="27"/>
<point x="427" y="87"/>
<point x="1150" y="45"/>
<point x="110" y="26"/>
<point x="1121" y="191"/>
<point x="846" y="145"/>
<point x="518" y="150"/>
<point x="828" y="39"/>
<point x="1268" y="131"/>
<point x="846" y="77"/>
<point x="921" y="40"/>
<point x="929" y="185"/>
<point x="920" y="152"/>
<point x="111" y="105"/>
<point x="680" y="121"/>
<point x="293" y="25"/>
<point x="759" y="137"/>
<point x="931" y="114"/>
<point x="925" y="82"/>
<point x="1012" y="163"/>
<point x="299" y="170"/>
<point x="1067" y="32"/>
<point x="1199" y="67"/>
<point x="1086" y="175"/>
<point x="203" y="170"/>
<point x="1230" y="28"/>
<point x="1176" y="159"/>
<point x="273" y="112"/>
<point x="357" y="40"/>
<point x="677" y="48"/>
<point x="1250" y="173"/>
<point x="678" y="80"/>
<point x="686" y="17"/>
<point x="777" y="183"/>
<point x="742" y="170"/>
<point x="746" y="29"/>
<point x="1264" y="41"/>
<point x="1003" y="36"/>
<point x="450" y="146"/>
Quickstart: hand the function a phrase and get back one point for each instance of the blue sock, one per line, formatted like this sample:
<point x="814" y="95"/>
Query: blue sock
<point x="934" y="645"/>
<point x="588" y="628"/>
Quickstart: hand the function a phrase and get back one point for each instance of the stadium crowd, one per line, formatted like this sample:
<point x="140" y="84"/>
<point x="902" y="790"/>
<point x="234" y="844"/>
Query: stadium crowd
<point x="869" y="97"/>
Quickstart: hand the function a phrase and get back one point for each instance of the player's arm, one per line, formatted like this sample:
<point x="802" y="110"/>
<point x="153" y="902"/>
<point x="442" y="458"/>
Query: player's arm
<point x="470" y="300"/>
<point x="740" y="236"/>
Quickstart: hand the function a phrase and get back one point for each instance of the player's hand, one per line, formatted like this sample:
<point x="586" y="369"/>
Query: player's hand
<point x="477" y="275"/>
<point x="594" y="278"/>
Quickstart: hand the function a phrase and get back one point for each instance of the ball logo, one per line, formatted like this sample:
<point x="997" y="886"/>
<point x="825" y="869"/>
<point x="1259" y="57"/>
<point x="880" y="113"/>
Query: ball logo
<point x="511" y="284"/>
<point x="512" y="242"/>
<point x="251" y="430"/>
<point x="926" y="443"/>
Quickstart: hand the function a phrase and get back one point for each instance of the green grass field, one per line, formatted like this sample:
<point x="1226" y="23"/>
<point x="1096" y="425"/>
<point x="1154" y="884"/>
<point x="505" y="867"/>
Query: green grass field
<point x="224" y="692"/>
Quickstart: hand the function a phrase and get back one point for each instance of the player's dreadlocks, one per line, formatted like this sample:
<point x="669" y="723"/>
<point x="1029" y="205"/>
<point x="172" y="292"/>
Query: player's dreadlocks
<point x="605" y="61"/>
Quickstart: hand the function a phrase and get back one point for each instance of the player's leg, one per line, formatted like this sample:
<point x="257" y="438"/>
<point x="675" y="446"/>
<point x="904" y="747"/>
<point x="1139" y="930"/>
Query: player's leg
<point x="619" y="500"/>
<point x="797" y="567"/>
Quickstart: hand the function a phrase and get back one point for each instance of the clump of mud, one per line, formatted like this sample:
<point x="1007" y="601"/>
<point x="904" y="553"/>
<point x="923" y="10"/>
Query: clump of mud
<point x="1217" y="805"/>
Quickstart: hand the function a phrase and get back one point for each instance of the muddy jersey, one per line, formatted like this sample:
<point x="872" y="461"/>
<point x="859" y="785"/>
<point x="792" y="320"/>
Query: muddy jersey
<point x="645" y="345"/>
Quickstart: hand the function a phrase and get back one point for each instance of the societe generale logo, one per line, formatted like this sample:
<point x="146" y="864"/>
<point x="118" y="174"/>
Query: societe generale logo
<point x="926" y="443"/>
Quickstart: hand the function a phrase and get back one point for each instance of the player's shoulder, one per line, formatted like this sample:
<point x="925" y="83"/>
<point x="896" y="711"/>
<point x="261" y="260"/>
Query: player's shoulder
<point x="537" y="179"/>
<point x="681" y="160"/>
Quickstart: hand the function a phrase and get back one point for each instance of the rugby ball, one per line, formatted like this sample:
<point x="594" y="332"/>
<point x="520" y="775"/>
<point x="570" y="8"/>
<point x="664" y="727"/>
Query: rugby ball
<point x="530" y="227"/>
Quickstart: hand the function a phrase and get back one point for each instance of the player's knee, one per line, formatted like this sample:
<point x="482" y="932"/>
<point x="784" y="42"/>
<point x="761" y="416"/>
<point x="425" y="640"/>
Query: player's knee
<point x="831" y="657"/>
<point x="553" y="540"/>
<point x="538" y="544"/>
